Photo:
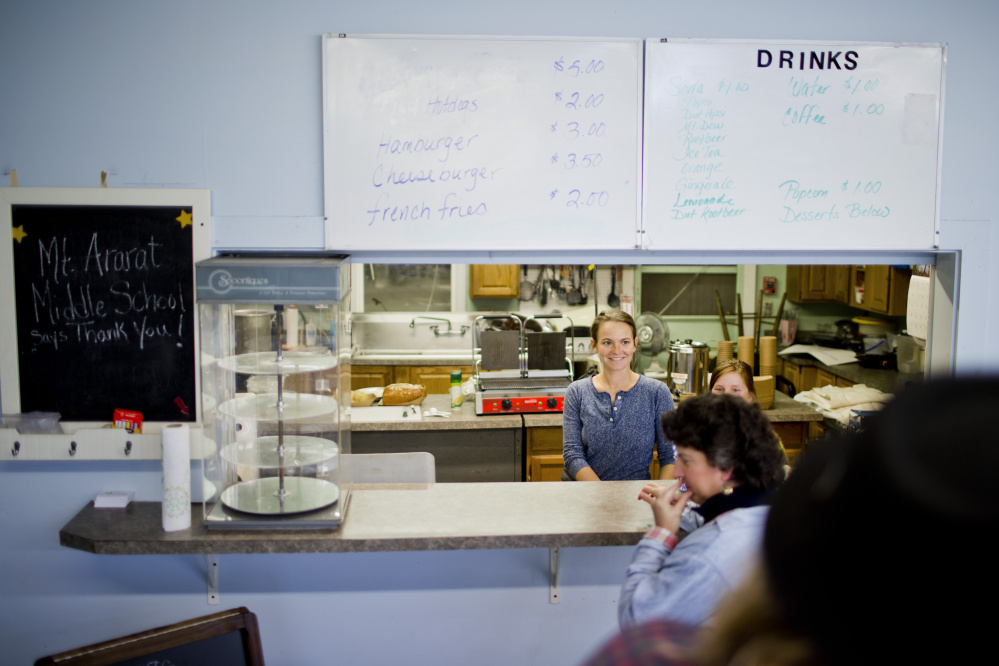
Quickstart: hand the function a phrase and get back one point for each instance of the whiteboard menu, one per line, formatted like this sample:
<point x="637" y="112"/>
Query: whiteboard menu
<point x="759" y="145"/>
<point x="472" y="143"/>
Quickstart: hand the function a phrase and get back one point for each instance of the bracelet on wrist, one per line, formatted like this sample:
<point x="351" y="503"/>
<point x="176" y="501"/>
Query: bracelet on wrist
<point x="663" y="536"/>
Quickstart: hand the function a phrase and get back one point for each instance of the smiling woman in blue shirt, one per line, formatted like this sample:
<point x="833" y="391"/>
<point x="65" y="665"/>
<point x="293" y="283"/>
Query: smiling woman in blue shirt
<point x="611" y="421"/>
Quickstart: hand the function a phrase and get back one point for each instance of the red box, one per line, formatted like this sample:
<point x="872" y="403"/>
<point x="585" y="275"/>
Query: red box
<point x="129" y="420"/>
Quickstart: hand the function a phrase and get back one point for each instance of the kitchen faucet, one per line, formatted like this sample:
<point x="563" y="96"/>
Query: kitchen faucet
<point x="436" y="328"/>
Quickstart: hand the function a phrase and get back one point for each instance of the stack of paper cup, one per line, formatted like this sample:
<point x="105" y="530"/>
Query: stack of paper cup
<point x="747" y="350"/>
<point x="768" y="355"/>
<point x="176" y="439"/>
<point x="726" y="349"/>
<point x="764" y="391"/>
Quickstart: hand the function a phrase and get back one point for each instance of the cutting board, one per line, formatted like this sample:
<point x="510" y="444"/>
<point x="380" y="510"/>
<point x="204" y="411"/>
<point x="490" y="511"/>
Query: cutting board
<point x="383" y="413"/>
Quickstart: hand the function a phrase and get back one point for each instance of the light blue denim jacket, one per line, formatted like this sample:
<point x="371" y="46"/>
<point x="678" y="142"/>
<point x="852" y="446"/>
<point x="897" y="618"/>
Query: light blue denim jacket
<point x="686" y="583"/>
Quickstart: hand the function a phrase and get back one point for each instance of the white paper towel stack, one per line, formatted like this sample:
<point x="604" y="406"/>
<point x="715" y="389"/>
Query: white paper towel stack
<point x="176" y="439"/>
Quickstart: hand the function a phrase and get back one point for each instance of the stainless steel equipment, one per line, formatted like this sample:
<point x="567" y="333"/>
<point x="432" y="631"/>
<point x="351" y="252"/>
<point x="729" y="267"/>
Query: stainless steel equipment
<point x="276" y="417"/>
<point x="687" y="367"/>
<point x="516" y="370"/>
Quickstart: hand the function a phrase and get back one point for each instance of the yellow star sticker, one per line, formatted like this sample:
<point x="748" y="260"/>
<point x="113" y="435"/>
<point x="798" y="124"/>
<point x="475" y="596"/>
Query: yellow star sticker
<point x="18" y="233"/>
<point x="184" y="219"/>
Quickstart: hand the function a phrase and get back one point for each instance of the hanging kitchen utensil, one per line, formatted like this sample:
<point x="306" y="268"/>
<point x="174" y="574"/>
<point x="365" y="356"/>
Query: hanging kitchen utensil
<point x="545" y="287"/>
<point x="613" y="299"/>
<point x="526" y="287"/>
<point x="583" y="287"/>
<point x="573" y="296"/>
<point x="556" y="286"/>
<point x="539" y="284"/>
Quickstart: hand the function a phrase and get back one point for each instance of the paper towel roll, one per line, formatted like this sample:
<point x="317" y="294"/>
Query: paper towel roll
<point x="291" y="326"/>
<point x="917" y="312"/>
<point x="176" y="439"/>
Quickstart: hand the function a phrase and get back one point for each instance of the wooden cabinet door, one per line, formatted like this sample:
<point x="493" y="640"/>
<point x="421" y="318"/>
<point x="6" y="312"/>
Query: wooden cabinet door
<point x="436" y="378"/>
<point x="792" y="434"/>
<point x="840" y="286"/>
<point x="363" y="376"/>
<point x="806" y="284"/>
<point x="792" y="373"/>
<point x="544" y="454"/>
<point x="818" y="284"/>
<point x="546" y="467"/>
<point x="807" y="378"/>
<point x="815" y="284"/>
<point x="886" y="288"/>
<point x="877" y="288"/>
<point x="494" y="281"/>
<point x="824" y="378"/>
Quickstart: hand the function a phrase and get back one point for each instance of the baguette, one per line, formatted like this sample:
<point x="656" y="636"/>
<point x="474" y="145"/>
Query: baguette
<point x="404" y="394"/>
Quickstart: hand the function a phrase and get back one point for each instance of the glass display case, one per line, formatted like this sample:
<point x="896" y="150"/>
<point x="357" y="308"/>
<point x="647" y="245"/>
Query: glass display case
<point x="275" y="373"/>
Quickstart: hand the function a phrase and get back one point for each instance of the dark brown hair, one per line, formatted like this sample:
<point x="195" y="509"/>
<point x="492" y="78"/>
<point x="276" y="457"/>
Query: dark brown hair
<point x="613" y="315"/>
<point x="732" y="434"/>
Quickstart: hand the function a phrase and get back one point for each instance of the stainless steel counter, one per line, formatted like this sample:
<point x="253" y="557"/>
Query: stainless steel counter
<point x="466" y="447"/>
<point x="462" y="418"/>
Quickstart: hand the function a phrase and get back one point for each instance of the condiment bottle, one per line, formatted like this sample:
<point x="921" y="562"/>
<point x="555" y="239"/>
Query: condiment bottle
<point x="455" y="388"/>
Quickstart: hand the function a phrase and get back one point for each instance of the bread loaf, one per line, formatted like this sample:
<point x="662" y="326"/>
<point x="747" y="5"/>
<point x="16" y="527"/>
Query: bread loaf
<point x="361" y="398"/>
<point x="404" y="394"/>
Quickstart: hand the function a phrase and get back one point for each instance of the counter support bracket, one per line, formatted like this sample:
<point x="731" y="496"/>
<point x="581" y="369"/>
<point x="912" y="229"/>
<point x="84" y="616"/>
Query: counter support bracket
<point x="555" y="556"/>
<point x="212" y="578"/>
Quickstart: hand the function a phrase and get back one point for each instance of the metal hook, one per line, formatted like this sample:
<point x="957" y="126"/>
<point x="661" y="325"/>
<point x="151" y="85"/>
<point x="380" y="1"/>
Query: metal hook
<point x="72" y="448"/>
<point x="128" y="448"/>
<point x="14" y="450"/>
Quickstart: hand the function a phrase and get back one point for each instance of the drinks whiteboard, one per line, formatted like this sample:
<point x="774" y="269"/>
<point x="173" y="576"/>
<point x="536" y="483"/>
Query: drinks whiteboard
<point x="471" y="143"/>
<point x="791" y="145"/>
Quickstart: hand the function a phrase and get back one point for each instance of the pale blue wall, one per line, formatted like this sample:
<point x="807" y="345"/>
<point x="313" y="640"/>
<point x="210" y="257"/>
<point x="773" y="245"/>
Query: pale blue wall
<point x="225" y="95"/>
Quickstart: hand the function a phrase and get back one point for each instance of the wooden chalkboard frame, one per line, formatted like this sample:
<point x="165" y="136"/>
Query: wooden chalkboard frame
<point x="161" y="641"/>
<point x="197" y="200"/>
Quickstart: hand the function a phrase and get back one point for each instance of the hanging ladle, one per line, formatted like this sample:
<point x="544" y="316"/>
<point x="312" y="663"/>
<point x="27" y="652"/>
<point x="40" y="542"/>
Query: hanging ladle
<point x="526" y="287"/>
<point x="613" y="299"/>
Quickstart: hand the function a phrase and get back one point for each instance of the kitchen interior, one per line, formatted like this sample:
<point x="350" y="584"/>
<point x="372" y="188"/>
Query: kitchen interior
<point x="424" y="324"/>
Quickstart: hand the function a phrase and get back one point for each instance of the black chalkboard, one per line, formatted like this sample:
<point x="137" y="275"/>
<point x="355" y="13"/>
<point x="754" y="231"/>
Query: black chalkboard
<point x="104" y="301"/>
<point x="229" y="638"/>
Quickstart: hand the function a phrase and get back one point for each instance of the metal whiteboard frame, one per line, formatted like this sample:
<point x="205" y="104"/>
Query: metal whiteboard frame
<point x="933" y="241"/>
<point x="387" y="243"/>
